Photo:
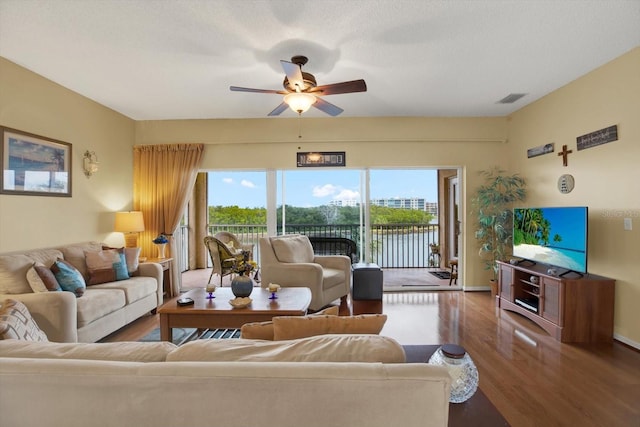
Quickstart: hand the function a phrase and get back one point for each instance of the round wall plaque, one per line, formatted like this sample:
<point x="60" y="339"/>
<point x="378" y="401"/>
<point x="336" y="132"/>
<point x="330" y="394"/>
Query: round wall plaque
<point x="566" y="183"/>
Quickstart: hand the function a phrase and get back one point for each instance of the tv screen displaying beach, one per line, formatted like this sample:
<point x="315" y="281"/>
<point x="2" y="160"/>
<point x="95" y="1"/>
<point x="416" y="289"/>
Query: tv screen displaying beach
<point x="552" y="236"/>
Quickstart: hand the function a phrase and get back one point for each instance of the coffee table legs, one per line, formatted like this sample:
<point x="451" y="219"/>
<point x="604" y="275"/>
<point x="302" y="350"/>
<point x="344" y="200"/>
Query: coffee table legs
<point x="166" y="333"/>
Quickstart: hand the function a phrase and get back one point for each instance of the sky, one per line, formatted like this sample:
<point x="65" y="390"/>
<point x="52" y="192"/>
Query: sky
<point x="316" y="187"/>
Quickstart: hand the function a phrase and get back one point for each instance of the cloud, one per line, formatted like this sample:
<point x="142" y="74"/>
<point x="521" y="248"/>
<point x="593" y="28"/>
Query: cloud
<point x="324" y="190"/>
<point x="247" y="183"/>
<point x="227" y="180"/>
<point x="347" y="195"/>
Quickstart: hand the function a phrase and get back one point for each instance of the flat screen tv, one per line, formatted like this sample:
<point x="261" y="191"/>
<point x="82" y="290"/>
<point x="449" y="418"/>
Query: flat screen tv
<point x="556" y="236"/>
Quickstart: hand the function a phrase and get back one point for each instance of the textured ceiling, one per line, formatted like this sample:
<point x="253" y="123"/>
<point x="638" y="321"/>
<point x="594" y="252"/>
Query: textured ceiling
<point x="152" y="59"/>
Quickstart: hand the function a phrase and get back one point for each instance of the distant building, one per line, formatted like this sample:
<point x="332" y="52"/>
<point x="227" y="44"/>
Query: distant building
<point x="415" y="203"/>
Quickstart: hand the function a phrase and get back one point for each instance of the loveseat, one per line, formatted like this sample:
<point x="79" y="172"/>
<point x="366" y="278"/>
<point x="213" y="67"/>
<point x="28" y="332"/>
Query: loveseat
<point x="89" y="314"/>
<point x="346" y="380"/>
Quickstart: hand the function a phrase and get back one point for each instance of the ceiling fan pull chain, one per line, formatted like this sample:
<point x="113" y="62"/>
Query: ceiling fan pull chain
<point x="299" y="125"/>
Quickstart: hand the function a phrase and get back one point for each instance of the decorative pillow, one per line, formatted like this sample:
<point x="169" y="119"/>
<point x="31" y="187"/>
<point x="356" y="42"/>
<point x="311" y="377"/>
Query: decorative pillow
<point x="292" y="327"/>
<point x="106" y="266"/>
<point x="47" y="277"/>
<point x="36" y="283"/>
<point x="16" y="323"/>
<point x="292" y="248"/>
<point x="131" y="255"/>
<point x="325" y="348"/>
<point x="68" y="277"/>
<point x="264" y="330"/>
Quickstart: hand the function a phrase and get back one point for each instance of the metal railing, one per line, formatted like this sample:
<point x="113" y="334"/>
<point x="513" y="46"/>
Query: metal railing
<point x="392" y="245"/>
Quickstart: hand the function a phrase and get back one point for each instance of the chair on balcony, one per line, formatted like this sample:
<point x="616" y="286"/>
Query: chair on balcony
<point x="223" y="258"/>
<point x="232" y="242"/>
<point x="289" y="261"/>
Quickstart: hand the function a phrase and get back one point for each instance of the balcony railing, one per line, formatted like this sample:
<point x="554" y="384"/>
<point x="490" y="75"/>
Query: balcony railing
<point x="392" y="245"/>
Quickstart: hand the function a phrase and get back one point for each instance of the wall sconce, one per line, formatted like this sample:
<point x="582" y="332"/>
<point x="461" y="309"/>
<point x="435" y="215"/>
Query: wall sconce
<point x="90" y="163"/>
<point x="130" y="223"/>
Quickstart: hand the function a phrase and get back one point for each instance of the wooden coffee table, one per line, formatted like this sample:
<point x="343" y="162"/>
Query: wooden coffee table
<point x="218" y="313"/>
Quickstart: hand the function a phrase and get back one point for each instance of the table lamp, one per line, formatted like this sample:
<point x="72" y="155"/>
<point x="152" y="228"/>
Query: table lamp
<point x="130" y="223"/>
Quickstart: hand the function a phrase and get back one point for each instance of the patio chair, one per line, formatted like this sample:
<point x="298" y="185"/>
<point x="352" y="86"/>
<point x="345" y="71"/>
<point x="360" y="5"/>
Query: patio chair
<point x="223" y="258"/>
<point x="232" y="242"/>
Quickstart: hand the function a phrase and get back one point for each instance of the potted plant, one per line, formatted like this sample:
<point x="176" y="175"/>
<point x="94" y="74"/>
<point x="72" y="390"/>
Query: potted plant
<point x="492" y="205"/>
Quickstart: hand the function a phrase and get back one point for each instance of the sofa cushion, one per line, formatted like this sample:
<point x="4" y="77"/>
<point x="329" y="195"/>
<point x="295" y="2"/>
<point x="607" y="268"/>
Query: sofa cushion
<point x="16" y="323"/>
<point x="97" y="303"/>
<point x="106" y="266"/>
<point x="134" y="288"/>
<point x="68" y="277"/>
<point x="116" y="351"/>
<point x="292" y="327"/>
<point x="264" y="330"/>
<point x="292" y="248"/>
<point x="325" y="348"/>
<point x="332" y="277"/>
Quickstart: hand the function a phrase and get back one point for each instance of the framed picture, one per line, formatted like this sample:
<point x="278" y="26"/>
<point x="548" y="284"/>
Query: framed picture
<point x="34" y="165"/>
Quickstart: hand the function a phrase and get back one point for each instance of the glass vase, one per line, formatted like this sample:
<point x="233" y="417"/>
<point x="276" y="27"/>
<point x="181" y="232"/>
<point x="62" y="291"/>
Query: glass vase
<point x="462" y="370"/>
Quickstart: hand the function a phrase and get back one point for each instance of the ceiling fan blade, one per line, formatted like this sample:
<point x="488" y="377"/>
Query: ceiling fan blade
<point x="344" y="87"/>
<point x="247" y="89"/>
<point x="279" y="109"/>
<point x="294" y="74"/>
<point x="327" y="107"/>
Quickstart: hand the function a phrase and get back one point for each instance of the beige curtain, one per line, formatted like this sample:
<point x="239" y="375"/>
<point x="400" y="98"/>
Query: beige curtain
<point x="163" y="177"/>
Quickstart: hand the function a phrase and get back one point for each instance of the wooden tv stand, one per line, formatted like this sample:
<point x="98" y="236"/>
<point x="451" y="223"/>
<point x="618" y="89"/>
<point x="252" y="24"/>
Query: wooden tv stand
<point x="569" y="308"/>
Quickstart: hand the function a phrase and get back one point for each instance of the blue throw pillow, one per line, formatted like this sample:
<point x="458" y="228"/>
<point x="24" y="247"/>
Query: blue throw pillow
<point x="68" y="277"/>
<point x="120" y="268"/>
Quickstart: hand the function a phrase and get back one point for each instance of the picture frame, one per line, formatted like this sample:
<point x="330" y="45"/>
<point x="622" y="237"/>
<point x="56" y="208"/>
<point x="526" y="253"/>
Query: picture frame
<point x="34" y="165"/>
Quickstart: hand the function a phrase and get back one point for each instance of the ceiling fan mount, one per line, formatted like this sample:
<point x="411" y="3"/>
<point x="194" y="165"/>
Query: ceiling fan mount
<point x="301" y="90"/>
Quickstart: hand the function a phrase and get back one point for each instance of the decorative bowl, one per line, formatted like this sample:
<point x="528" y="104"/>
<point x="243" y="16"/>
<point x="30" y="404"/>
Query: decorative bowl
<point x="273" y="287"/>
<point x="240" y="302"/>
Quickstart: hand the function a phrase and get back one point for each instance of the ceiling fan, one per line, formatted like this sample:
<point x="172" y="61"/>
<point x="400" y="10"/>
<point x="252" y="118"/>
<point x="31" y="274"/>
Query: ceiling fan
<point x="301" y="90"/>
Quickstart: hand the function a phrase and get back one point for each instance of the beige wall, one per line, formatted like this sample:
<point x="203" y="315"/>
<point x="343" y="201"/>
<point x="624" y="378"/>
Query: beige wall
<point x="33" y="104"/>
<point x="607" y="177"/>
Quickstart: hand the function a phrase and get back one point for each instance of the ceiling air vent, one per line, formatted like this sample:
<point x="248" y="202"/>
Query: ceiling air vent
<point x="511" y="98"/>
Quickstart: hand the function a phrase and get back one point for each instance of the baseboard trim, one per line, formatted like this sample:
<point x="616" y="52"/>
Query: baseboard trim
<point x="627" y="341"/>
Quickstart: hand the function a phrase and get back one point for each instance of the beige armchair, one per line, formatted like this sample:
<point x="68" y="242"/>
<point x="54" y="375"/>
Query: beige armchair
<point x="223" y="258"/>
<point x="289" y="261"/>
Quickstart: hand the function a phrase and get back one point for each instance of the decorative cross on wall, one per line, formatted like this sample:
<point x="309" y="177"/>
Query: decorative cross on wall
<point x="564" y="153"/>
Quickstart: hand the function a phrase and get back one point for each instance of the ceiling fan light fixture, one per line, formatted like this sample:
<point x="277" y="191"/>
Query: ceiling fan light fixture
<point x="300" y="102"/>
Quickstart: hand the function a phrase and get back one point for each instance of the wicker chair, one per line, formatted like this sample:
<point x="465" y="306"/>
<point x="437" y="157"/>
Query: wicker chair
<point x="223" y="258"/>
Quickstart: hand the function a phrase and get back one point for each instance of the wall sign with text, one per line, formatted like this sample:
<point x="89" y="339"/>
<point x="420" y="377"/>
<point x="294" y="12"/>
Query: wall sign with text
<point x="321" y="159"/>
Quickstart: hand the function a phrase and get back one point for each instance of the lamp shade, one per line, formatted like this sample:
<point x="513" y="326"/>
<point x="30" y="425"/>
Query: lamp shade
<point x="129" y="222"/>
<point x="300" y="102"/>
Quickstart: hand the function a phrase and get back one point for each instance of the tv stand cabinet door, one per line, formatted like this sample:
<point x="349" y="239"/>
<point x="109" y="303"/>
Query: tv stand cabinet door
<point x="552" y="296"/>
<point x="505" y="282"/>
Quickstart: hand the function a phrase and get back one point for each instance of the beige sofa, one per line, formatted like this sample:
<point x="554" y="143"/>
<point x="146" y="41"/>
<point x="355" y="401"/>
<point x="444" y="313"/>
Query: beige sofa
<point x="318" y="381"/>
<point x="103" y="309"/>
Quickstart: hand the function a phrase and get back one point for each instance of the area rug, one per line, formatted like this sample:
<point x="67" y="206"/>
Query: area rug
<point x="444" y="275"/>
<point x="182" y="335"/>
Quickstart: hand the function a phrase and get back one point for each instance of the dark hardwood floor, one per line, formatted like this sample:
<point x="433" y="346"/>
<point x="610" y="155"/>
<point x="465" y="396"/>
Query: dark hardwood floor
<point x="532" y="379"/>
